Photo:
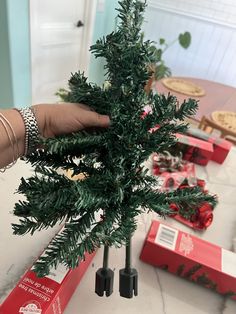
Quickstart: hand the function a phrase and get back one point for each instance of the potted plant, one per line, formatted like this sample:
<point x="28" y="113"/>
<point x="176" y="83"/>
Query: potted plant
<point x="158" y="68"/>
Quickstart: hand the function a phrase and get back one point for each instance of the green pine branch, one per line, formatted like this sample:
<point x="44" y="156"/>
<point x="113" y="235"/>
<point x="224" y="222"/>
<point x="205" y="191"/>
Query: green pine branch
<point x="160" y="201"/>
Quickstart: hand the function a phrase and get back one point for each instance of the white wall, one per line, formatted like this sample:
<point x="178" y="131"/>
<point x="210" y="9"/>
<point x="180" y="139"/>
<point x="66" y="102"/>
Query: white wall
<point x="212" y="24"/>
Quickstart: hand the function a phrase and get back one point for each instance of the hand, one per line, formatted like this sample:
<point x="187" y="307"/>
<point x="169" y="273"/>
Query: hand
<point x="65" y="118"/>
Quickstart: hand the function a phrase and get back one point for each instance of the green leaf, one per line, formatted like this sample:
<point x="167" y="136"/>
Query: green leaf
<point x="158" y="54"/>
<point x="162" y="41"/>
<point x="161" y="71"/>
<point x="185" y="40"/>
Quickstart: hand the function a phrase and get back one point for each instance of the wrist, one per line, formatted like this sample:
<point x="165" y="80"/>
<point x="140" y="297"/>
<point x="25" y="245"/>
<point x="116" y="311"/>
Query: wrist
<point x="41" y="118"/>
<point x="18" y="126"/>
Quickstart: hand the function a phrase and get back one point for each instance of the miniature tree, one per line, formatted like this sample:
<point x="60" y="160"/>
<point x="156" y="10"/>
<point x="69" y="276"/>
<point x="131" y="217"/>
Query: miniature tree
<point x="111" y="160"/>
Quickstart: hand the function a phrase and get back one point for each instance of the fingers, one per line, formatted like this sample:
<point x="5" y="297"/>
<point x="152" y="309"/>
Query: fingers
<point x="95" y="119"/>
<point x="99" y="120"/>
<point x="74" y="106"/>
<point x="85" y="107"/>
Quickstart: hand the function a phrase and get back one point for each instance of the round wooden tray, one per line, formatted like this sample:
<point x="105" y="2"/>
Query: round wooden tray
<point x="226" y="119"/>
<point x="183" y="87"/>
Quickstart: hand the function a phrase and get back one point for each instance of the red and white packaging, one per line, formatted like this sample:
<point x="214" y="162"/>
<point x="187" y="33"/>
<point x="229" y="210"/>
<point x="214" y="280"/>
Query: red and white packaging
<point x="191" y="258"/>
<point x="221" y="147"/>
<point x="171" y="180"/>
<point x="47" y="295"/>
<point x="194" y="149"/>
<point x="200" y="221"/>
<point x="182" y="178"/>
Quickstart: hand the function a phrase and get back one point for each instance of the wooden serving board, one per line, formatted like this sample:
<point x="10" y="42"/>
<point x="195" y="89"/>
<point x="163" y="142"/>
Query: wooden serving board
<point x="183" y="87"/>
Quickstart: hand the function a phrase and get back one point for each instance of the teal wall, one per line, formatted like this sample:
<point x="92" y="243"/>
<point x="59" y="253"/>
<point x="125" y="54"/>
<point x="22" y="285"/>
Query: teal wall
<point x="18" y="17"/>
<point x="15" y="81"/>
<point x="6" y="96"/>
<point x="104" y="24"/>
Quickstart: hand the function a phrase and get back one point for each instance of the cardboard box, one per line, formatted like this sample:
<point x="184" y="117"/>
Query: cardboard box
<point x="193" y="149"/>
<point x="48" y="295"/>
<point x="191" y="258"/>
<point x="221" y="147"/>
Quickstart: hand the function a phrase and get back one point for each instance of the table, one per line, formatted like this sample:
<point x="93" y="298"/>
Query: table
<point x="159" y="291"/>
<point x="218" y="96"/>
<point x="225" y="119"/>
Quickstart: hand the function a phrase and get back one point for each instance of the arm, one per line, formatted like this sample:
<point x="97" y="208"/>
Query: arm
<point x="52" y="119"/>
<point x="6" y="153"/>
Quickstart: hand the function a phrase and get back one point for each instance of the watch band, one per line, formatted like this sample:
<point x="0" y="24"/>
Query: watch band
<point x="31" y="130"/>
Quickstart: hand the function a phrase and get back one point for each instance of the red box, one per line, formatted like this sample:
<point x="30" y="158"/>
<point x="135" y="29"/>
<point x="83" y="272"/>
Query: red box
<point x="171" y="180"/>
<point x="194" y="149"/>
<point x="221" y="147"/>
<point x="191" y="258"/>
<point x="48" y="295"/>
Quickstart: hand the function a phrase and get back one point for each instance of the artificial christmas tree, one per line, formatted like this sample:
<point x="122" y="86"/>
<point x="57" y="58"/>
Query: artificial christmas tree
<point x="115" y="181"/>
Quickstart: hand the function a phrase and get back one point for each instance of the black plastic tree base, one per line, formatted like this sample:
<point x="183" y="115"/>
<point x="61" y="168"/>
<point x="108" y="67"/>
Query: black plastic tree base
<point x="128" y="283"/>
<point x="104" y="282"/>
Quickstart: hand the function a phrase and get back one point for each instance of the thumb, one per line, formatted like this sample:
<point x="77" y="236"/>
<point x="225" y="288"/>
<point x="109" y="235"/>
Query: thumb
<point x="99" y="120"/>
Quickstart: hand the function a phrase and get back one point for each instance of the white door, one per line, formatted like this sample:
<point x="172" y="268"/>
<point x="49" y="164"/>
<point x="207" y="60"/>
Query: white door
<point x="61" y="32"/>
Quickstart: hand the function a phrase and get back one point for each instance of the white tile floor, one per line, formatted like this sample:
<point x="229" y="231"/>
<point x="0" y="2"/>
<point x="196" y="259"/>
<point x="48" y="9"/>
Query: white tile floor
<point x="159" y="291"/>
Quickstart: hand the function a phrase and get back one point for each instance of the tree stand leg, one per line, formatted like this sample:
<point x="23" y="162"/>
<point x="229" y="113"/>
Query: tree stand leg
<point x="104" y="277"/>
<point x="128" y="276"/>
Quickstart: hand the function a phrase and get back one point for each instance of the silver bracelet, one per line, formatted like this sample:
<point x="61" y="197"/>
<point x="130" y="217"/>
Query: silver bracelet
<point x="31" y="130"/>
<point x="12" y="139"/>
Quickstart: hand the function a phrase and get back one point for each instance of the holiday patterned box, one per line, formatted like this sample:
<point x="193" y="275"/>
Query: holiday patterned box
<point x="172" y="171"/>
<point x="194" y="149"/>
<point x="47" y="295"/>
<point x="191" y="258"/>
<point x="201" y="220"/>
<point x="221" y="147"/>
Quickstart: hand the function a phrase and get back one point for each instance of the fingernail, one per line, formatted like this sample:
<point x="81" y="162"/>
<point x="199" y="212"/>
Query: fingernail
<point x="107" y="120"/>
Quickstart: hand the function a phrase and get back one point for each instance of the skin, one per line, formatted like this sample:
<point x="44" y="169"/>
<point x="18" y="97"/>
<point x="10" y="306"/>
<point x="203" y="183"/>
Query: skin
<point x="53" y="120"/>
